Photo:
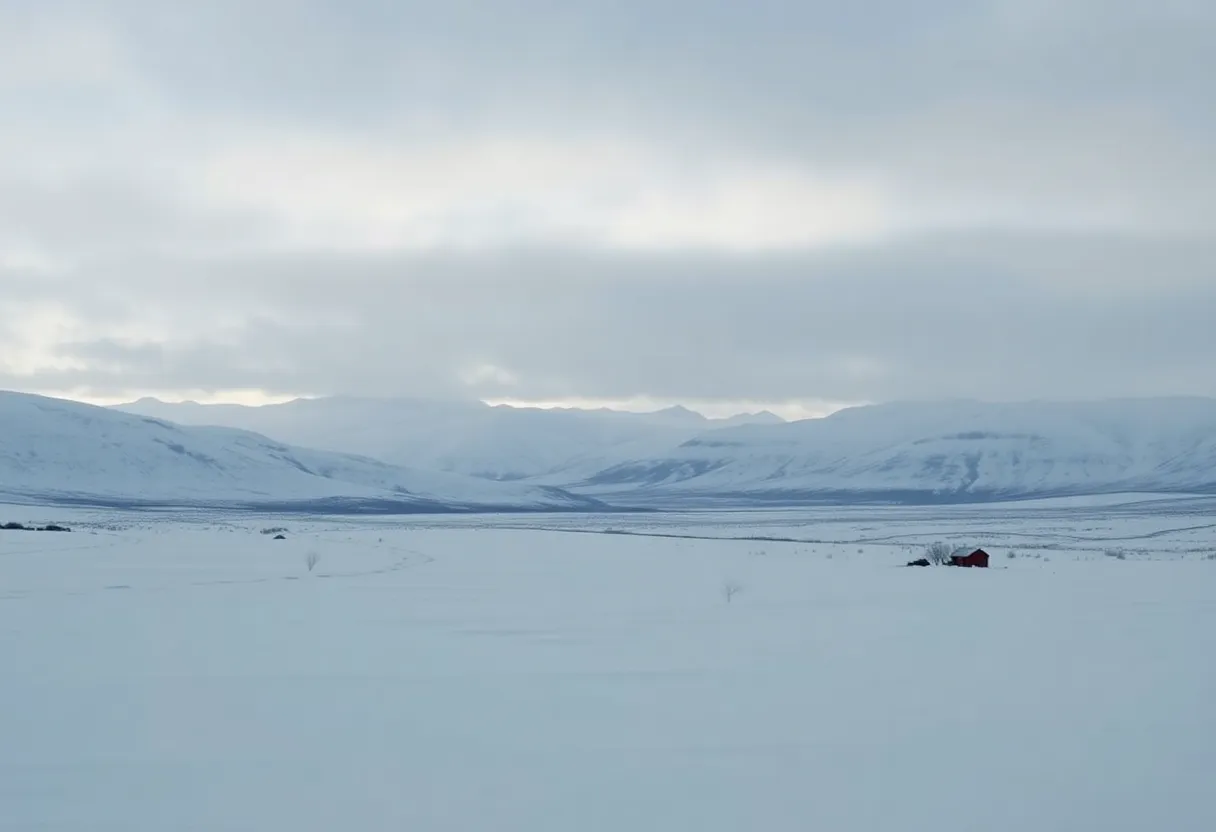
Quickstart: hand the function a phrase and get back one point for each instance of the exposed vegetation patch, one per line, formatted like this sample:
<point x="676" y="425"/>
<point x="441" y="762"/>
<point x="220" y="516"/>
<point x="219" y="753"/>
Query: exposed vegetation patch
<point x="22" y="527"/>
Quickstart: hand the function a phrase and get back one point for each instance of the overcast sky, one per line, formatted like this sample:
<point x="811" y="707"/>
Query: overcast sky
<point x="720" y="203"/>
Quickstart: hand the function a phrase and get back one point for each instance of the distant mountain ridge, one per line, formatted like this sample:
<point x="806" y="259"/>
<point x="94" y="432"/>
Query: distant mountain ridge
<point x="59" y="451"/>
<point x="944" y="451"/>
<point x="937" y="451"/>
<point x="465" y="437"/>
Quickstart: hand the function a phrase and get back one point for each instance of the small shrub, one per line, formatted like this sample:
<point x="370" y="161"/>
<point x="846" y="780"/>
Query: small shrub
<point x="1011" y="554"/>
<point x="730" y="589"/>
<point x="1118" y="554"/>
<point x="312" y="560"/>
<point x="938" y="553"/>
<point x="275" y="530"/>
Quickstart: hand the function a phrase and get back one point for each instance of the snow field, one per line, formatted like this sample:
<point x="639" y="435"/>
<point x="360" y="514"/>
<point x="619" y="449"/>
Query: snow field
<point x="177" y="672"/>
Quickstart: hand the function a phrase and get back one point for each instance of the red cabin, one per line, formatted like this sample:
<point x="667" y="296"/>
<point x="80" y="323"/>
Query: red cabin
<point x="977" y="558"/>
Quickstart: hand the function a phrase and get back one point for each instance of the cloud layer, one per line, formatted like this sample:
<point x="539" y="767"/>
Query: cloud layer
<point x="589" y="200"/>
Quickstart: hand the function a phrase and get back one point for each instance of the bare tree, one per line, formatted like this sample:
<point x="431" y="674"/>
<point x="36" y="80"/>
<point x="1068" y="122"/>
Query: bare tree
<point x="311" y="560"/>
<point x="730" y="589"/>
<point x="938" y="553"/>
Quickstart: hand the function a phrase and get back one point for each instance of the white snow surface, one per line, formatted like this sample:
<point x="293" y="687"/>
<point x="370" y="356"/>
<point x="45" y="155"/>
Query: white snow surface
<point x="56" y="449"/>
<point x="179" y="670"/>
<point x="949" y="449"/>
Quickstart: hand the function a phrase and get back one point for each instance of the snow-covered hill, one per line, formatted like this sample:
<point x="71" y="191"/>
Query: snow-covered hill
<point x="955" y="450"/>
<point x="503" y="443"/>
<point x="940" y="451"/>
<point x="56" y="450"/>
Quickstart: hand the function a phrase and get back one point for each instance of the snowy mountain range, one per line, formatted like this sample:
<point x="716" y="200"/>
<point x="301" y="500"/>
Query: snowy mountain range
<point x="467" y="455"/>
<point x="53" y="450"/>
<point x="939" y="451"/>
<point x="910" y="451"/>
<point x="465" y="437"/>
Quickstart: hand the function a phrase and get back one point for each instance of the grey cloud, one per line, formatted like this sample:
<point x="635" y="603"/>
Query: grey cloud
<point x="1075" y="140"/>
<point x="89" y="217"/>
<point x="809" y="70"/>
<point x="977" y="113"/>
<point x="994" y="317"/>
<point x="884" y="53"/>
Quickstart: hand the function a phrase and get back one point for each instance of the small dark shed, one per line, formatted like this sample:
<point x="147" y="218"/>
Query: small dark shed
<point x="977" y="558"/>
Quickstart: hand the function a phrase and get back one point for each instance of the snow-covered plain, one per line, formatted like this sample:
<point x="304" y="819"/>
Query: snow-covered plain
<point x="181" y="670"/>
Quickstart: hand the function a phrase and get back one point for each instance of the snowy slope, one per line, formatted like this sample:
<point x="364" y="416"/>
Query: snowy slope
<point x="941" y="450"/>
<point x="61" y="450"/>
<point x="468" y="437"/>
<point x="954" y="450"/>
